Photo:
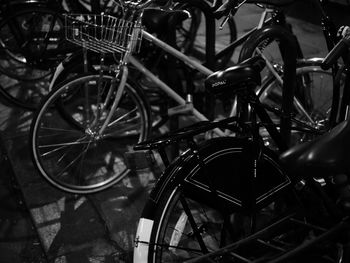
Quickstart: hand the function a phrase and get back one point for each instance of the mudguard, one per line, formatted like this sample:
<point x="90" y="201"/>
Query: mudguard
<point x="227" y="171"/>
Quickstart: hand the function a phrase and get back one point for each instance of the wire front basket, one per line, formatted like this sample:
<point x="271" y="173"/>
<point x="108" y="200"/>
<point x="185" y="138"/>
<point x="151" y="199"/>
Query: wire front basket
<point x="103" y="33"/>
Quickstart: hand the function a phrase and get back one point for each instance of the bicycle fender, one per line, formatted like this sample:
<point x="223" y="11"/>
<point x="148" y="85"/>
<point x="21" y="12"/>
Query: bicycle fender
<point x="71" y="59"/>
<point x="59" y="69"/>
<point x="182" y="173"/>
<point x="233" y="189"/>
<point x="145" y="225"/>
<point x="168" y="177"/>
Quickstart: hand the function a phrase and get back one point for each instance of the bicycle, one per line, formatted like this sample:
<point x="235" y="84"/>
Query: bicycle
<point x="233" y="199"/>
<point x="33" y="43"/>
<point x="59" y="125"/>
<point x="66" y="66"/>
<point x="304" y="102"/>
<point x="308" y="69"/>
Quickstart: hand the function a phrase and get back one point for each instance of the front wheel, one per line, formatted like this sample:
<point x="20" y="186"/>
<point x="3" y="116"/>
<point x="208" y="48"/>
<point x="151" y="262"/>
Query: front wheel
<point x="203" y="206"/>
<point x="67" y="146"/>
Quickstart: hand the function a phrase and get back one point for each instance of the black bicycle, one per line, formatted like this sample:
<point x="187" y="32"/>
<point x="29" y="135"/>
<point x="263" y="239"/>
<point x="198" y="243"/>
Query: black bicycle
<point x="232" y="199"/>
<point x="189" y="210"/>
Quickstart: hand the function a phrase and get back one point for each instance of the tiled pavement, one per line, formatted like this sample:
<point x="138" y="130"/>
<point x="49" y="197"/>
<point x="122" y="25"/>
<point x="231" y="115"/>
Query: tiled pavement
<point x="39" y="223"/>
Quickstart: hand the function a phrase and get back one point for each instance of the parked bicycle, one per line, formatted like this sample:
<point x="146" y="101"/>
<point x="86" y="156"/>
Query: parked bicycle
<point x="232" y="199"/>
<point x="95" y="118"/>
<point x="313" y="81"/>
<point x="32" y="43"/>
<point x="318" y="92"/>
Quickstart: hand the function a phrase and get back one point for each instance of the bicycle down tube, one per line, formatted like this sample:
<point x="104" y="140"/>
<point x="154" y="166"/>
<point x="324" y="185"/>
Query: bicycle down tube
<point x="194" y="64"/>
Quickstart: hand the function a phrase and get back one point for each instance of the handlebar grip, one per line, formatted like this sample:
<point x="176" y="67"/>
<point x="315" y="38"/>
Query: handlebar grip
<point x="335" y="53"/>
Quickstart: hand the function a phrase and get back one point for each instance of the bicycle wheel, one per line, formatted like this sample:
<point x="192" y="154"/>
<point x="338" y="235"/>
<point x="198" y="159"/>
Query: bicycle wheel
<point x="312" y="107"/>
<point x="190" y="212"/>
<point x="192" y="33"/>
<point x="68" y="149"/>
<point x="312" y="101"/>
<point x="31" y="38"/>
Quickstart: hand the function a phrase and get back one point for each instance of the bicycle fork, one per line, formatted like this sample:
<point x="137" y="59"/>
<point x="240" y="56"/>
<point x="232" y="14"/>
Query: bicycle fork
<point x="124" y="75"/>
<point x="101" y="104"/>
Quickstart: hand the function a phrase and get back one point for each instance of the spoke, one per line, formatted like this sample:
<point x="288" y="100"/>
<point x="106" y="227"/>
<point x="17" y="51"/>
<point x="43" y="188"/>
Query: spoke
<point x="73" y="161"/>
<point x="63" y="145"/>
<point x="193" y="224"/>
<point x="129" y="130"/>
<point x="58" y="129"/>
<point x="82" y="161"/>
<point x="203" y="212"/>
<point x="65" y="154"/>
<point x="125" y="116"/>
<point x="176" y="247"/>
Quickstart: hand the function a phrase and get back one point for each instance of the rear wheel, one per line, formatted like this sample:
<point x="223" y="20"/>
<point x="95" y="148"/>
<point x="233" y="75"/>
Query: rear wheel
<point x="311" y="103"/>
<point x="311" y="106"/>
<point x="202" y="207"/>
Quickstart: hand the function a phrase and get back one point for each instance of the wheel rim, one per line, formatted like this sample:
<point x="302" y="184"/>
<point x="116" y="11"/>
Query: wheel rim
<point x="68" y="150"/>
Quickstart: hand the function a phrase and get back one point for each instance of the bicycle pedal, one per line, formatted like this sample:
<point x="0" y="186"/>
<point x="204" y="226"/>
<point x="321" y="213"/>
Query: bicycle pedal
<point x="181" y="109"/>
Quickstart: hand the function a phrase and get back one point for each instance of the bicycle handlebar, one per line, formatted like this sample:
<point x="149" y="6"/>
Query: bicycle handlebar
<point x="336" y="52"/>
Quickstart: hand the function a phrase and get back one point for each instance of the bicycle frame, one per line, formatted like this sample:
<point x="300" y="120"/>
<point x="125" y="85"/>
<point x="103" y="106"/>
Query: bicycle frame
<point x="278" y="18"/>
<point x="162" y="85"/>
<point x="183" y="104"/>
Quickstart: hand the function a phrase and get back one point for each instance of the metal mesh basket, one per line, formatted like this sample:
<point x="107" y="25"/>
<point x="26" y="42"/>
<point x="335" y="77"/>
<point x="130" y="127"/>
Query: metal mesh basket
<point x="103" y="33"/>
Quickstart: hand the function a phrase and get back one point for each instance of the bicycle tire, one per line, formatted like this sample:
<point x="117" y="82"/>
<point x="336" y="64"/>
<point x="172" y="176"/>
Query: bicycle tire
<point x="63" y="135"/>
<point x="309" y="102"/>
<point x="162" y="230"/>
<point x="42" y="31"/>
<point x="191" y="34"/>
<point x="314" y="108"/>
<point x="27" y="78"/>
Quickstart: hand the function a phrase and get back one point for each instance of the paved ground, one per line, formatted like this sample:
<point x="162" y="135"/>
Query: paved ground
<point x="41" y="223"/>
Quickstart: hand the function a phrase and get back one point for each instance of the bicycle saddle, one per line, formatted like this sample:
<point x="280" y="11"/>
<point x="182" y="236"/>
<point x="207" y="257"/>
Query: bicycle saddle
<point x="234" y="78"/>
<point x="328" y="153"/>
<point x="157" y="20"/>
